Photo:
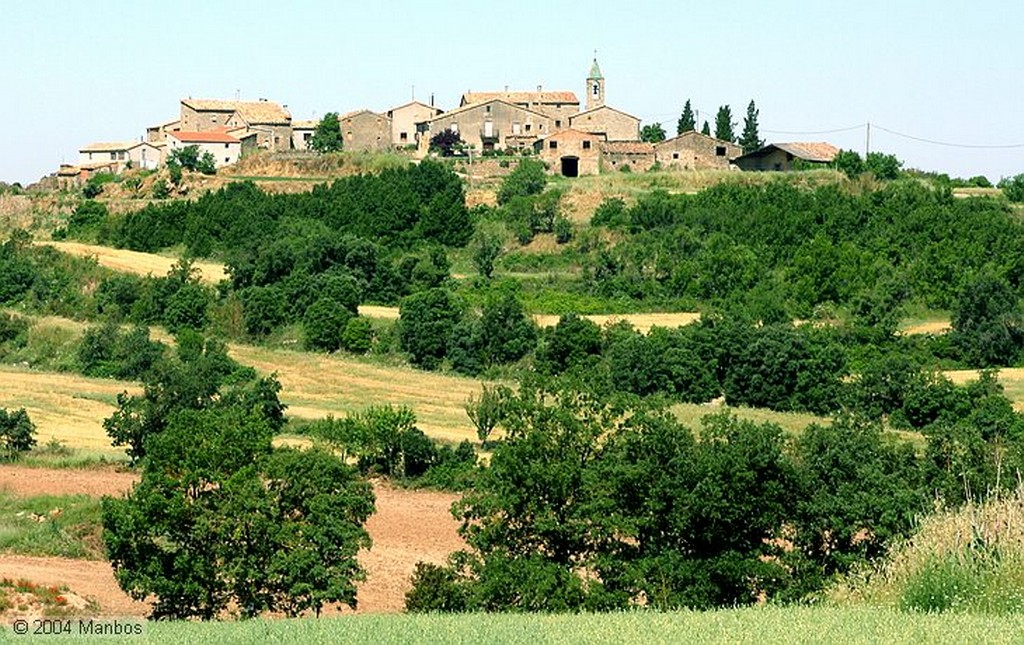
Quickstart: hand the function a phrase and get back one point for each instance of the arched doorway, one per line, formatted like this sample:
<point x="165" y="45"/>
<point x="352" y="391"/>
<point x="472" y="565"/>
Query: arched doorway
<point x="570" y="166"/>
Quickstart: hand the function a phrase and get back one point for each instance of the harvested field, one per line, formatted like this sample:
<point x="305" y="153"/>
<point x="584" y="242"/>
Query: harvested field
<point x="66" y="407"/>
<point x="316" y="385"/>
<point x="136" y="262"/>
<point x="409" y="526"/>
<point x="376" y="311"/>
<point x="642" y="322"/>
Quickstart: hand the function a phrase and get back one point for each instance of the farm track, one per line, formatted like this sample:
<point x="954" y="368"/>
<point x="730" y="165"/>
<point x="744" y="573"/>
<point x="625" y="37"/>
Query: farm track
<point x="410" y="526"/>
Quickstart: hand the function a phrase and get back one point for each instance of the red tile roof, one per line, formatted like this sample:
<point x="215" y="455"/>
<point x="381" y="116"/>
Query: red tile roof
<point x="203" y="137"/>
<point x="817" y="151"/>
<point x="627" y="147"/>
<point x="520" y="97"/>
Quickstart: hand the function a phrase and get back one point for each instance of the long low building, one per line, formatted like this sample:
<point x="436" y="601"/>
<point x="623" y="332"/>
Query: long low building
<point x="225" y="148"/>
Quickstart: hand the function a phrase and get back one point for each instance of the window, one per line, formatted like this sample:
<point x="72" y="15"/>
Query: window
<point x="719" y="151"/>
<point x="586" y="145"/>
<point x="527" y="127"/>
<point x="487" y="109"/>
<point x="675" y="155"/>
<point x="227" y="145"/>
<point x="516" y="128"/>
<point x="213" y="118"/>
<point x="403" y="136"/>
<point x="558" y="123"/>
<point x="597" y="89"/>
<point x="455" y="128"/>
<point x="227" y="159"/>
<point x="113" y="156"/>
<point x="552" y="145"/>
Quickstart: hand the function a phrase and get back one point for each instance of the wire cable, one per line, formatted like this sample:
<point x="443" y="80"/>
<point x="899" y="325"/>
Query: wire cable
<point x="948" y="144"/>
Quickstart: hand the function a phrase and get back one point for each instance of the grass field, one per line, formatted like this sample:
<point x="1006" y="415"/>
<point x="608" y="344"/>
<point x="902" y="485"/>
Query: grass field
<point x="757" y="625"/>
<point x="136" y="262"/>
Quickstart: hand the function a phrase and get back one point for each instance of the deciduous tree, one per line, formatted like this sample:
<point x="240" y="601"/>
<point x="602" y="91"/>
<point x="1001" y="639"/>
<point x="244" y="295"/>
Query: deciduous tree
<point x="327" y="135"/>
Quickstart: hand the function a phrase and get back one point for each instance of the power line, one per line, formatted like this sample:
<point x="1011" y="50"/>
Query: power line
<point x="948" y="144"/>
<point x="852" y="127"/>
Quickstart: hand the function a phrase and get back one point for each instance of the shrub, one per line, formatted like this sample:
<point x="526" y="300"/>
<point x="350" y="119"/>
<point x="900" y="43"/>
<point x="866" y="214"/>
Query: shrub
<point x="358" y="335"/>
<point x="325" y="323"/>
<point x="529" y="178"/>
<point x="17" y="432"/>
<point x="1013" y="188"/>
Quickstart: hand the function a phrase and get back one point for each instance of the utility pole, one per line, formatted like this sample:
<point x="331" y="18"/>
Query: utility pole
<point x="867" y="140"/>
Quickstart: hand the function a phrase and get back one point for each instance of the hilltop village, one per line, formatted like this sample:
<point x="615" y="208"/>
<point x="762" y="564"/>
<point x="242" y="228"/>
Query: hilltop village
<point x="571" y="137"/>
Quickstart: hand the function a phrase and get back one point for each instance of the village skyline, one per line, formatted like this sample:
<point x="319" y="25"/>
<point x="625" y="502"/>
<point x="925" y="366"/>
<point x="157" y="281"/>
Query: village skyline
<point x="816" y="73"/>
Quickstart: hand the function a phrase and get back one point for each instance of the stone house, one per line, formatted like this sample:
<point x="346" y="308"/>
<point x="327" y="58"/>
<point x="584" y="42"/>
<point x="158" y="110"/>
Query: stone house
<point x="494" y="125"/>
<point x="781" y="156"/>
<point x="638" y="156"/>
<point x="570" y="153"/>
<point x="302" y="132"/>
<point x="114" y="153"/>
<point x="225" y="148"/>
<point x="365" y="130"/>
<point x="271" y="122"/>
<point x="609" y="123"/>
<point x="409" y="121"/>
<point x="694" y="151"/>
<point x="158" y="133"/>
<point x="558" y="105"/>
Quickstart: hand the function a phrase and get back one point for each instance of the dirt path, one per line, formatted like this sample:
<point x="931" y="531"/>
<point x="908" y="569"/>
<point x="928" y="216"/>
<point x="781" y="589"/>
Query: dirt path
<point x="409" y="526"/>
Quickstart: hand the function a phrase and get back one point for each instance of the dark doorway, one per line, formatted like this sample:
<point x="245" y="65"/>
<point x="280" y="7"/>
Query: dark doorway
<point x="570" y="166"/>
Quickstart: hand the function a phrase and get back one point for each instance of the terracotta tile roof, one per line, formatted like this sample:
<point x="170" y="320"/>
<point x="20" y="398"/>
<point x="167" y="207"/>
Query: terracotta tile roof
<point x="252" y="112"/>
<point x="520" y="97"/>
<point x="627" y="147"/>
<point x="412" y="103"/>
<point x="808" y="151"/>
<point x="203" y="137"/>
<point x="305" y="125"/>
<point x="108" y="146"/>
<point x="690" y="134"/>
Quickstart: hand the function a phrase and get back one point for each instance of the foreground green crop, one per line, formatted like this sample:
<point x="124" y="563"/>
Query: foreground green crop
<point x="751" y="625"/>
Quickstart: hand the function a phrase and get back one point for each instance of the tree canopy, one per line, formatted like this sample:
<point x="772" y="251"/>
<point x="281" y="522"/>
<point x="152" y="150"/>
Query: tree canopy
<point x="687" y="120"/>
<point x="327" y="135"/>
<point x="724" y="125"/>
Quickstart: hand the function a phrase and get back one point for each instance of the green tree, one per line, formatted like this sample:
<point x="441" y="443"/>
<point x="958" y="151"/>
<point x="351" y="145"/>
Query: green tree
<point x="528" y="178"/>
<point x="486" y="410"/>
<point x="207" y="164"/>
<point x="324" y="324"/>
<point x="987" y="323"/>
<point x="17" y="432"/>
<point x="883" y="166"/>
<point x="426" y="321"/>
<point x="486" y="249"/>
<point x="1013" y="187"/>
<point x="706" y="129"/>
<point x="187" y="157"/>
<point x="653" y="133"/>
<point x="750" y="140"/>
<point x="724" y="125"/>
<point x="221" y="522"/>
<point x="327" y="135"/>
<point x="849" y="162"/>
<point x="687" y="121"/>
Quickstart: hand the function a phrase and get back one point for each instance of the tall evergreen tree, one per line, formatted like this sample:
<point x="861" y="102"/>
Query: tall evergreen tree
<point x="750" y="139"/>
<point x="687" y="121"/>
<point x="724" y="124"/>
<point x="706" y="130"/>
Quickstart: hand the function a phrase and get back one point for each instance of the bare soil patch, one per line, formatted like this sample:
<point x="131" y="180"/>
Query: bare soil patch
<point x="25" y="481"/>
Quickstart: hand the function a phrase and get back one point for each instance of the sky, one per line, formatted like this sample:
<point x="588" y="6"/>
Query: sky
<point x="73" y="73"/>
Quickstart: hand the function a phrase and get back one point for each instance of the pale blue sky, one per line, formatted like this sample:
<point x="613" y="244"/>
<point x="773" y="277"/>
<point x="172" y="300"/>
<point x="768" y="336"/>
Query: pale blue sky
<point x="72" y="73"/>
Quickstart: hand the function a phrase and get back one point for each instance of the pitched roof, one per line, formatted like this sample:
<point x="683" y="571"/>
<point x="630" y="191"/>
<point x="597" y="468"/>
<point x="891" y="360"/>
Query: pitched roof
<point x="570" y="133"/>
<point x="519" y="97"/>
<point x="203" y="137"/>
<point x="108" y="146"/>
<point x="474" y="106"/>
<point x="305" y="125"/>
<point x="164" y="125"/>
<point x="693" y="133"/>
<point x="627" y="147"/>
<point x="808" y="151"/>
<point x="437" y="110"/>
<point x="601" y="107"/>
<point x="259" y="112"/>
<point x="595" y="71"/>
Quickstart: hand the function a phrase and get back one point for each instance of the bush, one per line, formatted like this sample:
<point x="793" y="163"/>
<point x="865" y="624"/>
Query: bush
<point x="17" y="432"/>
<point x="529" y="178"/>
<point x="325" y="323"/>
<point x="426" y="322"/>
<point x="1013" y="188"/>
<point x="358" y="335"/>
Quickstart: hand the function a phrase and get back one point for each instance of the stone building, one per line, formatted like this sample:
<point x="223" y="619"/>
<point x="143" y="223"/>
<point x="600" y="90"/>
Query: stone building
<point x="225" y="148"/>
<point x="558" y="106"/>
<point x="158" y="133"/>
<point x="494" y="125"/>
<point x="595" y="87"/>
<point x="302" y="132"/>
<point x="695" y="151"/>
<point x="638" y="156"/>
<point x="781" y="156"/>
<point x="409" y="121"/>
<point x="365" y="130"/>
<point x="570" y="153"/>
<point x="607" y="122"/>
<point x="120" y="155"/>
<point x="271" y="122"/>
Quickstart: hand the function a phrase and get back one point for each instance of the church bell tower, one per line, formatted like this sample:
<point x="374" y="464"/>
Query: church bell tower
<point x="595" y="87"/>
